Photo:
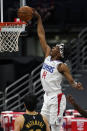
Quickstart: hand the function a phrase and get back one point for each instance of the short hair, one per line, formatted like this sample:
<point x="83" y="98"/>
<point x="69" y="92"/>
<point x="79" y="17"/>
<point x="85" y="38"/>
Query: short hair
<point x="30" y="102"/>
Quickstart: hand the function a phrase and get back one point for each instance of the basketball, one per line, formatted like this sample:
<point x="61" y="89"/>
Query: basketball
<point x="25" y="13"/>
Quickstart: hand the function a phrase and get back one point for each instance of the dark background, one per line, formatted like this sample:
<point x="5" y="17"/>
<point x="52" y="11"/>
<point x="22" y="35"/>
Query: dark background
<point x="54" y="12"/>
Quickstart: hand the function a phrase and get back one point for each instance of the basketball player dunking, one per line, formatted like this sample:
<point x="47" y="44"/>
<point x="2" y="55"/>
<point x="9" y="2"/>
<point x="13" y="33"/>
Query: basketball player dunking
<point x="51" y="76"/>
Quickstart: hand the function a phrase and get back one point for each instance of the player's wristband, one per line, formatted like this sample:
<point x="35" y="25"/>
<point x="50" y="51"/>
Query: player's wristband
<point x="74" y="84"/>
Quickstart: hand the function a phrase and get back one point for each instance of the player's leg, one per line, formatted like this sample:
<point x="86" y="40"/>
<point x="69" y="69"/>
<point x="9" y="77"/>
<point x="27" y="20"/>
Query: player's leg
<point x="56" y="113"/>
<point x="45" y="111"/>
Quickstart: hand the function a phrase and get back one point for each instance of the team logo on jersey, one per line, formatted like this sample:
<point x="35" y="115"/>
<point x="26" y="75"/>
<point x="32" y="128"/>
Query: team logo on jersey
<point x="48" y="68"/>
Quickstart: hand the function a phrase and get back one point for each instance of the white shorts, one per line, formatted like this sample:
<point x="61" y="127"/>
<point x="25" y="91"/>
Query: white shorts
<point x="53" y="108"/>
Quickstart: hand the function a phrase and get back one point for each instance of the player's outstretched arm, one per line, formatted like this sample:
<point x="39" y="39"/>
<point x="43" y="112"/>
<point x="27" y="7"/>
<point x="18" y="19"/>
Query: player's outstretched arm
<point x="71" y="100"/>
<point x="41" y="34"/>
<point x="62" y="68"/>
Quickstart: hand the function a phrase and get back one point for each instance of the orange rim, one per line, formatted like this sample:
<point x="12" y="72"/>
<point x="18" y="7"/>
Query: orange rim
<point x="11" y="23"/>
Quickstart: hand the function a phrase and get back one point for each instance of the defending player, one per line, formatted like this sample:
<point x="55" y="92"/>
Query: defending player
<point x="51" y="76"/>
<point x="31" y="120"/>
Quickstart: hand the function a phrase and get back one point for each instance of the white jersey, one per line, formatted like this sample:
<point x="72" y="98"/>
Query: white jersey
<point x="50" y="76"/>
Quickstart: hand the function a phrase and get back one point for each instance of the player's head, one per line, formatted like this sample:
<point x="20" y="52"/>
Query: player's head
<point x="61" y="51"/>
<point x="30" y="102"/>
<point x="57" y="51"/>
<point x="65" y="51"/>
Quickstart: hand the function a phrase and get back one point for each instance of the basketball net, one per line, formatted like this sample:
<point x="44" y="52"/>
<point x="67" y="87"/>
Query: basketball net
<point x="9" y="34"/>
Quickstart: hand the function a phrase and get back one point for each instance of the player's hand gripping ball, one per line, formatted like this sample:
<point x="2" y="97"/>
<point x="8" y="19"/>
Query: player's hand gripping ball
<point x="25" y="13"/>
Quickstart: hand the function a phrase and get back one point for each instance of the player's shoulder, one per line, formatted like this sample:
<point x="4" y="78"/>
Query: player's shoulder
<point x="20" y="118"/>
<point x="19" y="121"/>
<point x="62" y="67"/>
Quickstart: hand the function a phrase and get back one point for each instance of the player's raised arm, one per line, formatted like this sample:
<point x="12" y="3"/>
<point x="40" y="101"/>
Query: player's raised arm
<point x="41" y="34"/>
<point x="62" y="68"/>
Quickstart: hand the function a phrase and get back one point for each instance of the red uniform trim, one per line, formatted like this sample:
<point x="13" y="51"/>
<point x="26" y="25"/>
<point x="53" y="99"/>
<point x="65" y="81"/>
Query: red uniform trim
<point x="59" y="96"/>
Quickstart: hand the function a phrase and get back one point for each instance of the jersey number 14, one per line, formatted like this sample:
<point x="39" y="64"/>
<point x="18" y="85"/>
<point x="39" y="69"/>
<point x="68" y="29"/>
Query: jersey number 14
<point x="44" y="74"/>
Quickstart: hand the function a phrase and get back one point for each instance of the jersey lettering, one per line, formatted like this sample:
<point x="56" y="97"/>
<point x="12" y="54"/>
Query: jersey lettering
<point x="48" y="68"/>
<point x="35" y="130"/>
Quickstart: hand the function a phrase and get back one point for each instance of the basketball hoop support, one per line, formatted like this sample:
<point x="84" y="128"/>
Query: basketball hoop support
<point x="1" y="10"/>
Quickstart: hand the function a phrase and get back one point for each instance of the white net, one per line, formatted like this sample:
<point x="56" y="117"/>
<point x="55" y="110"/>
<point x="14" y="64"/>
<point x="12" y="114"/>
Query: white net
<point x="9" y="35"/>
